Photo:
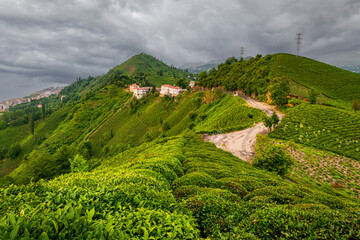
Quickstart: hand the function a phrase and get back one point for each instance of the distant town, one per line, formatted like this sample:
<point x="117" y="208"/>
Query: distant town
<point x="4" y="105"/>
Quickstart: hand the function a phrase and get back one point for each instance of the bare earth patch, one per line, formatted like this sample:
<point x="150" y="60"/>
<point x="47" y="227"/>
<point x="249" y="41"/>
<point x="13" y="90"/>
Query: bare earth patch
<point x="339" y="171"/>
<point x="242" y="143"/>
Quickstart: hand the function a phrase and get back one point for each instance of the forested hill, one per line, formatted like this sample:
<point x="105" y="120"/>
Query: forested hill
<point x="285" y="73"/>
<point x="154" y="71"/>
<point x="143" y="69"/>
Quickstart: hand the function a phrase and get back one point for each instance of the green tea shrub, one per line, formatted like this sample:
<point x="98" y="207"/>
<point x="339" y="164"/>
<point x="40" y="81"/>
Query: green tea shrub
<point x="273" y="158"/>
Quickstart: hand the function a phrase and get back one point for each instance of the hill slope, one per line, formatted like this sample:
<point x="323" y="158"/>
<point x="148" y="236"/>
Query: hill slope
<point x="153" y="70"/>
<point x="333" y="82"/>
<point x="260" y="76"/>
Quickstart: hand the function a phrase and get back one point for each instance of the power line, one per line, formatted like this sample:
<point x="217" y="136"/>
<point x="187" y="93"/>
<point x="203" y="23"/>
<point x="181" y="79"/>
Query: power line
<point x="242" y="52"/>
<point x="298" y="42"/>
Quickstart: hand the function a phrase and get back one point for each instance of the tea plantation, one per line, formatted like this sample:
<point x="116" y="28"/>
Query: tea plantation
<point x="322" y="127"/>
<point x="175" y="188"/>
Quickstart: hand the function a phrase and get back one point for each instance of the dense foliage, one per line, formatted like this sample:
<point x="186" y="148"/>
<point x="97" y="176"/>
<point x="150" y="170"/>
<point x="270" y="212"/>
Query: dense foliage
<point x="272" y="157"/>
<point x="193" y="190"/>
<point x="322" y="127"/>
<point x="155" y="72"/>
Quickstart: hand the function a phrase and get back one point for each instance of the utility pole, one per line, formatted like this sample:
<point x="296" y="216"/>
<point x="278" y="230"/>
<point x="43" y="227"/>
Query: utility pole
<point x="242" y="52"/>
<point x="298" y="42"/>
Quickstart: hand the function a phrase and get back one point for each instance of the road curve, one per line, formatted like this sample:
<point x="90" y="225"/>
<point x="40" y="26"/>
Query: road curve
<point x="242" y="143"/>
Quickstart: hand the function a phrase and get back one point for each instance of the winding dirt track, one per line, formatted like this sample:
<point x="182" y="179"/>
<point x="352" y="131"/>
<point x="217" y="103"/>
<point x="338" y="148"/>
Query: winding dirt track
<point x="242" y="143"/>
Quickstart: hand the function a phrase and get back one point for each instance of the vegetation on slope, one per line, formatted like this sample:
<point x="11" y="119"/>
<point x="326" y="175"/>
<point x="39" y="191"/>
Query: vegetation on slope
<point x="333" y="82"/>
<point x="178" y="188"/>
<point x="312" y="164"/>
<point x="153" y="70"/>
<point x="153" y="116"/>
<point x="293" y="75"/>
<point x="322" y="127"/>
<point x="68" y="133"/>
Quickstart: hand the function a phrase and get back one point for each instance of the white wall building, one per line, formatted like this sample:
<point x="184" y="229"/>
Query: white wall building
<point x="170" y="90"/>
<point x="140" y="92"/>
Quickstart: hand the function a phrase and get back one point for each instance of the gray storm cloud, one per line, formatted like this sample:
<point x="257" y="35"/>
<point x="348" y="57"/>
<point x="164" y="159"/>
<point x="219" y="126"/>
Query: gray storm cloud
<point x="44" y="43"/>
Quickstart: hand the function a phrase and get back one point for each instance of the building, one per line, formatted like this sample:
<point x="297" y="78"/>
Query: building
<point x="192" y="84"/>
<point x="170" y="90"/>
<point x="131" y="87"/>
<point x="140" y="92"/>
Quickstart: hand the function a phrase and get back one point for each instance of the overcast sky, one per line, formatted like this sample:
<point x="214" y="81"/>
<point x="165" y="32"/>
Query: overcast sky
<point x="49" y="43"/>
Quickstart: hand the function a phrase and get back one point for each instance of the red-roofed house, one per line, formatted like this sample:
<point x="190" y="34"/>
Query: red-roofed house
<point x="131" y="87"/>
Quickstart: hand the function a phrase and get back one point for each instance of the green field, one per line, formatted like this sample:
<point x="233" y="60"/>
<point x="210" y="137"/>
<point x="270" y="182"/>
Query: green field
<point x="194" y="190"/>
<point x="333" y="82"/>
<point x="322" y="127"/>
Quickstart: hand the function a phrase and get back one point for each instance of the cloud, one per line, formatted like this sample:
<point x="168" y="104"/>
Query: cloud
<point x="52" y="42"/>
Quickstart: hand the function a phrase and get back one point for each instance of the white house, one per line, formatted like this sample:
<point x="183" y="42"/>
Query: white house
<point x="170" y="90"/>
<point x="140" y="92"/>
<point x="191" y="84"/>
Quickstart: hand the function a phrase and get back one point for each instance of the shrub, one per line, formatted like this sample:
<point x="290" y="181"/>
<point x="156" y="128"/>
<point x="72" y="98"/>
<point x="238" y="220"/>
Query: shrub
<point x="273" y="158"/>
<point x="14" y="150"/>
<point x="79" y="164"/>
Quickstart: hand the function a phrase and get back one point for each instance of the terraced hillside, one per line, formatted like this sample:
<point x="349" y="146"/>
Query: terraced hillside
<point x="263" y="75"/>
<point x="322" y="127"/>
<point x="178" y="188"/>
<point x="153" y="117"/>
<point x="333" y="82"/>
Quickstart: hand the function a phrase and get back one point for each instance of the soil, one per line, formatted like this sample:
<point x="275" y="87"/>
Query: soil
<point x="242" y="143"/>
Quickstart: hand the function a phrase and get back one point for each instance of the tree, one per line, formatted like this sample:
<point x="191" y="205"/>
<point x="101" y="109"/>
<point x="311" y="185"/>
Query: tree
<point x="355" y="105"/>
<point x="153" y="89"/>
<point x="14" y="150"/>
<point x="182" y="83"/>
<point x="43" y="111"/>
<point x="279" y="93"/>
<point x="31" y="123"/>
<point x="268" y="122"/>
<point x="272" y="157"/>
<point x="2" y="152"/>
<point x="275" y="119"/>
<point x="312" y="96"/>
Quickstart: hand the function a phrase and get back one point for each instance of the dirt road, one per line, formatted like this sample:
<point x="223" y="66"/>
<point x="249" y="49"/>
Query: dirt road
<point x="242" y="143"/>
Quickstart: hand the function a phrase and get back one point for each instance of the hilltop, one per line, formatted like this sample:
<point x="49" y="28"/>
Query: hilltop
<point x="154" y="71"/>
<point x="143" y="69"/>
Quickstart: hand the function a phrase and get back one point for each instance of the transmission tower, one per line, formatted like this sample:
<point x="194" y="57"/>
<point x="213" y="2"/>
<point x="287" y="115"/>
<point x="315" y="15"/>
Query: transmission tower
<point x="298" y="42"/>
<point x="242" y="52"/>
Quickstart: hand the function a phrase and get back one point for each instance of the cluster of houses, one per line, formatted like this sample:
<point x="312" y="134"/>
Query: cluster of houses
<point x="4" y="105"/>
<point x="166" y="89"/>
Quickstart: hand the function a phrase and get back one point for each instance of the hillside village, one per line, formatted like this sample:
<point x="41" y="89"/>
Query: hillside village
<point x="47" y="92"/>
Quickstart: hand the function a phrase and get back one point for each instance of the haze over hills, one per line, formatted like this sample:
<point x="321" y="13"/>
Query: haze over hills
<point x="103" y="164"/>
